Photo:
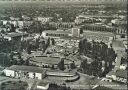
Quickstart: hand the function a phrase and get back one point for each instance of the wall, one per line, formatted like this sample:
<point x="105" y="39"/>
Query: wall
<point x="9" y="73"/>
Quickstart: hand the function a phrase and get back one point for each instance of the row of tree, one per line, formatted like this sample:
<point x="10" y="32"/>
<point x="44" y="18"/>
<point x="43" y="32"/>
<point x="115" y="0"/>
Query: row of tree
<point x="99" y="52"/>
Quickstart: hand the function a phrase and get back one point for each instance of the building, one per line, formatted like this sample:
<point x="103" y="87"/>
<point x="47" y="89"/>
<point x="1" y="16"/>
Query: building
<point x="15" y="36"/>
<point x="44" y="19"/>
<point x="74" y="32"/>
<point x="17" y="23"/>
<point x="99" y="27"/>
<point x="118" y="76"/>
<point x="55" y="34"/>
<point x="62" y="25"/>
<point x="85" y="1"/>
<point x="105" y="85"/>
<point x="16" y="71"/>
<point x="48" y="62"/>
<point x="107" y="37"/>
<point x="82" y="19"/>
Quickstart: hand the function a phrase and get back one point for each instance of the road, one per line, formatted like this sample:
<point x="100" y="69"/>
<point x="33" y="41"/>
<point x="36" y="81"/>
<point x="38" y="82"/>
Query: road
<point x="120" y="50"/>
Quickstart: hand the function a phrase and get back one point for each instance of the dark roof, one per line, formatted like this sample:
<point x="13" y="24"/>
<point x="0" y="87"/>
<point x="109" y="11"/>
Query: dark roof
<point x="26" y="68"/>
<point x="14" y="34"/>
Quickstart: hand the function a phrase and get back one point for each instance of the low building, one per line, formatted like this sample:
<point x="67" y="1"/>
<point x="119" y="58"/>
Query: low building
<point x="45" y="61"/>
<point x="118" y="76"/>
<point x="63" y="25"/>
<point x="44" y="19"/>
<point x="99" y="27"/>
<point x="15" y="36"/>
<point x="16" y="71"/>
<point x="17" y="23"/>
<point x="74" y="32"/>
<point x="107" y="37"/>
<point x="105" y="85"/>
<point x="82" y="19"/>
<point x="55" y="34"/>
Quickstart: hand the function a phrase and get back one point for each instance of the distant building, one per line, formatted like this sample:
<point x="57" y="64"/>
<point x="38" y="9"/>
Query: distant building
<point x="43" y="19"/>
<point x="99" y="36"/>
<point x="74" y="32"/>
<point x="55" y="34"/>
<point x="83" y="19"/>
<point x="15" y="36"/>
<point x="17" y="23"/>
<point x="99" y="27"/>
<point x="85" y="1"/>
<point x="62" y="25"/>
<point x="25" y="71"/>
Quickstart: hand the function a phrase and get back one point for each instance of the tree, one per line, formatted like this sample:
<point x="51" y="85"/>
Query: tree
<point x="27" y="62"/>
<point x="2" y="31"/>
<point x="81" y="47"/>
<point x="29" y="47"/>
<point x="72" y="65"/>
<point x="53" y="41"/>
<point x="61" y="65"/>
<point x="84" y="66"/>
<point x="48" y="42"/>
<point x="12" y="29"/>
<point x="52" y="67"/>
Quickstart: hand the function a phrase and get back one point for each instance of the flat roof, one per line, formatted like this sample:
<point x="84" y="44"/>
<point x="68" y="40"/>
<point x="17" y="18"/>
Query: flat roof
<point x="26" y="68"/>
<point x="102" y="88"/>
<point x="15" y="34"/>
<point x="98" y="33"/>
<point x="58" y="31"/>
<point x="70" y="37"/>
<point x="49" y="60"/>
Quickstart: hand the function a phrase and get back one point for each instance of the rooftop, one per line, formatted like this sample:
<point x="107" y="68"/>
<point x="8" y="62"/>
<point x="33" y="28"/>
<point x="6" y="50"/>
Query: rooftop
<point x="14" y="34"/>
<point x="49" y="60"/>
<point x="98" y="33"/>
<point x="26" y="68"/>
<point x="112" y="86"/>
<point x="102" y="88"/>
<point x="70" y="38"/>
<point x="58" y="31"/>
<point x="119" y="73"/>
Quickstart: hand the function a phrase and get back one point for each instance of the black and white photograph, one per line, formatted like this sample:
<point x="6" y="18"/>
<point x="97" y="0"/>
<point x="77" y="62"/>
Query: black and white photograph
<point x="63" y="45"/>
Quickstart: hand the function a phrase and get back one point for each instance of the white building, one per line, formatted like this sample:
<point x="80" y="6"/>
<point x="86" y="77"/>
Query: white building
<point x="25" y="71"/>
<point x="44" y="19"/>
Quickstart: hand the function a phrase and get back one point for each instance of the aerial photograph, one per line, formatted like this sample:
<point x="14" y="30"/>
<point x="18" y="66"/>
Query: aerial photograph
<point x="63" y="45"/>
